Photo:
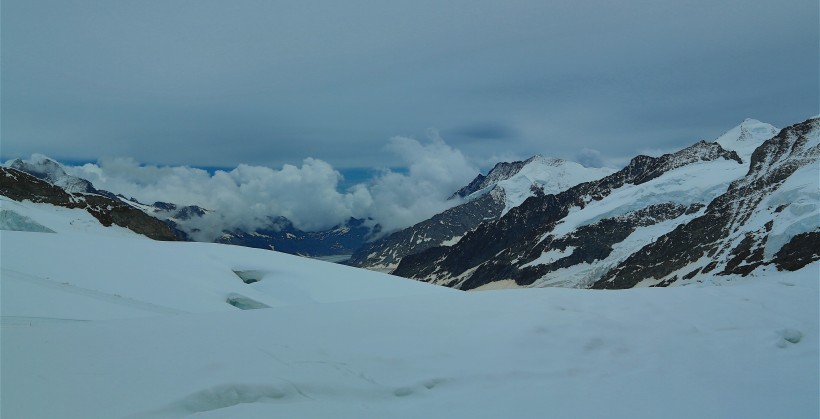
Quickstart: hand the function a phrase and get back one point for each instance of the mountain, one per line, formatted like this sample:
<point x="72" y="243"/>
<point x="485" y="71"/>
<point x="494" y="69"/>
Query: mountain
<point x="98" y="322"/>
<point x="174" y="215"/>
<point x="282" y="236"/>
<point x="279" y="234"/>
<point x="537" y="175"/>
<point x="52" y="172"/>
<point x="579" y="237"/>
<point x="183" y="221"/>
<point x="177" y="213"/>
<point x="746" y="137"/>
<point x="21" y="186"/>
<point x="768" y="217"/>
<point x="501" y="171"/>
<point x="488" y="197"/>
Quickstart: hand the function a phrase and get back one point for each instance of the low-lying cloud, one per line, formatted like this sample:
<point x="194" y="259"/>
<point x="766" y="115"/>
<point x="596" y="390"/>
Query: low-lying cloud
<point x="435" y="171"/>
<point x="247" y="196"/>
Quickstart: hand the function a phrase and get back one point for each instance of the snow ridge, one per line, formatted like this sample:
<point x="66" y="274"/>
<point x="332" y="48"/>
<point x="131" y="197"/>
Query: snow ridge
<point x="49" y="170"/>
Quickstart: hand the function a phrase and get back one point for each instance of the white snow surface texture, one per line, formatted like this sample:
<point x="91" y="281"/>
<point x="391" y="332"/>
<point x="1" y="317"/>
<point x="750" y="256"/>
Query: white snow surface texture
<point x="548" y="174"/>
<point x="101" y="323"/>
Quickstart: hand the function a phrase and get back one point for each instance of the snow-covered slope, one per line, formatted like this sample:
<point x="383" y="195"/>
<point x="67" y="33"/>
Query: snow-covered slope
<point x="597" y="230"/>
<point x="771" y="216"/>
<point x="687" y="189"/>
<point x="16" y="185"/>
<point x="654" y="189"/>
<point x="114" y="265"/>
<point x="537" y="175"/>
<point x="688" y="186"/>
<point x="486" y="198"/>
<point x="746" y="137"/>
<point x="100" y="322"/>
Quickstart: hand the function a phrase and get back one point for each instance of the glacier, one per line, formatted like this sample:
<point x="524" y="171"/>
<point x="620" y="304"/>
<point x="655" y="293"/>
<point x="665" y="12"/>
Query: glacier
<point x="102" y="322"/>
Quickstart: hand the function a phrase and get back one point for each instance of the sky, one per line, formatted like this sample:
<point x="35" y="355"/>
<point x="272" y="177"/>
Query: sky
<point x="353" y="85"/>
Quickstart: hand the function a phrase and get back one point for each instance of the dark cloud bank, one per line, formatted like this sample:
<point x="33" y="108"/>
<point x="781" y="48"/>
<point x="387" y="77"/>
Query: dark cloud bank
<point x="216" y="83"/>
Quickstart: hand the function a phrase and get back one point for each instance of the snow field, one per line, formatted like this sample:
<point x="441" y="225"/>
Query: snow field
<point x="100" y="322"/>
<point x="709" y="351"/>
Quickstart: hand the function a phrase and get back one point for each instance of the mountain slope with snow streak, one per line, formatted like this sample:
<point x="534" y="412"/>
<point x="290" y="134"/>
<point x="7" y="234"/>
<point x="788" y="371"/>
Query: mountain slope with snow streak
<point x="504" y="249"/>
<point x="537" y="175"/>
<point x="607" y="229"/>
<point x="775" y="204"/>
<point x="486" y="198"/>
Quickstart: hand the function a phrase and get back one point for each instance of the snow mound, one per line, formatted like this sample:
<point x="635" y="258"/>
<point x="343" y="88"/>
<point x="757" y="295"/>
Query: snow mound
<point x="12" y="221"/>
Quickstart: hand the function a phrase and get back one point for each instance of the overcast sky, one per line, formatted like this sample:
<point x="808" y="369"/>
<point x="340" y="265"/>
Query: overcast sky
<point x="218" y="83"/>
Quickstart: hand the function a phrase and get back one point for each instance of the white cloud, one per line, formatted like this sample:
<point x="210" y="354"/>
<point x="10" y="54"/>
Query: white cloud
<point x="435" y="171"/>
<point x="308" y="195"/>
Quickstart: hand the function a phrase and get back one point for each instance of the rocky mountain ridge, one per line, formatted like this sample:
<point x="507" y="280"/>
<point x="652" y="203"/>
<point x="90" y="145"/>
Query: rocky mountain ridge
<point x="485" y="198"/>
<point x="745" y="201"/>
<point x="593" y="232"/>
<point x="50" y="171"/>
<point x="767" y="217"/>
<point x="20" y="186"/>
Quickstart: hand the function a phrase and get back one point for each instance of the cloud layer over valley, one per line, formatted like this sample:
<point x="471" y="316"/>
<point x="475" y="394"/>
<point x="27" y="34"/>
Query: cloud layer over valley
<point x="309" y="194"/>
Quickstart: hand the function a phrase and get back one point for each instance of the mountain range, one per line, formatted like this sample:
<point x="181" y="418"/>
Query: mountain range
<point x="747" y="200"/>
<point x="743" y="201"/>
<point x="99" y="320"/>
<point x="486" y="198"/>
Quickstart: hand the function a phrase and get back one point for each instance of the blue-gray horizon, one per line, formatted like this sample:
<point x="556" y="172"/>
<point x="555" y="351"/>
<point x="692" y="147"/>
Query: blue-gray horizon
<point x="219" y="84"/>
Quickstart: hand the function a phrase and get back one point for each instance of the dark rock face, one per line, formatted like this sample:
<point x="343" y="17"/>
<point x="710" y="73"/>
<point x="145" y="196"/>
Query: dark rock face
<point x="595" y="242"/>
<point x="163" y="206"/>
<point x="477" y="184"/>
<point x="721" y="240"/>
<point x="501" y="171"/>
<point x="20" y="186"/>
<point x="189" y="212"/>
<point x="443" y="228"/>
<point x="386" y="252"/>
<point x="801" y="250"/>
<point x="168" y="210"/>
<point x="500" y="249"/>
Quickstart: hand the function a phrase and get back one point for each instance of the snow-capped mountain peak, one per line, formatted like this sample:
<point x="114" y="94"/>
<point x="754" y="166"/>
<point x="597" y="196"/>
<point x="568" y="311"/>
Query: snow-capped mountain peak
<point x="45" y="168"/>
<point x="746" y="137"/>
<point x="537" y="175"/>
